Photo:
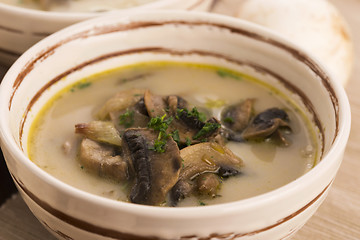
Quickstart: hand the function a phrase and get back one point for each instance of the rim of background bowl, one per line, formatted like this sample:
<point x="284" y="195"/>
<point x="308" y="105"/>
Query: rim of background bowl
<point x="79" y="15"/>
<point x="303" y="181"/>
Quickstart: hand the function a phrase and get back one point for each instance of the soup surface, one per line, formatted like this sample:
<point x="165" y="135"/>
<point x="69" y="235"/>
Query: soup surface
<point x="77" y="5"/>
<point x="264" y="163"/>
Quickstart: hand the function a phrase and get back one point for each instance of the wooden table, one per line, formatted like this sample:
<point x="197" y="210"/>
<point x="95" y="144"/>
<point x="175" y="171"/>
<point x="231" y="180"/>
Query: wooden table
<point x="338" y="218"/>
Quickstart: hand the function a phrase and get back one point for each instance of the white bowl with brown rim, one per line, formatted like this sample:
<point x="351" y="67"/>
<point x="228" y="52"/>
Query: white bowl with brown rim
<point x="105" y="43"/>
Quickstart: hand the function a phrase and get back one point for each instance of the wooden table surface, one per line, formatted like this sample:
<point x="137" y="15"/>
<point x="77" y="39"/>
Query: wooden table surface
<point x="338" y="218"/>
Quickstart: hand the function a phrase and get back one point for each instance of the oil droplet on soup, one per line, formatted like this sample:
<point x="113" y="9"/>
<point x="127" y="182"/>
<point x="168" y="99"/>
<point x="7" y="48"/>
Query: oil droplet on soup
<point x="173" y="134"/>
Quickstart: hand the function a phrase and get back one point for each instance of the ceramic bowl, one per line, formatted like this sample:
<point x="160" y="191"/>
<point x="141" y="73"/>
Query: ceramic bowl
<point x="101" y="44"/>
<point x="20" y="27"/>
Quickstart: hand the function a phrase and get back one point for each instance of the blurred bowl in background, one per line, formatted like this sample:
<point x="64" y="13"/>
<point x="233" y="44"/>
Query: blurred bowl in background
<point x="21" y="27"/>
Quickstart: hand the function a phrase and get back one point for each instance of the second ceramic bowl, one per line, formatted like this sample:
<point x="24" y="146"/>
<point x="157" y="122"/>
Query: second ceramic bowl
<point x="20" y="28"/>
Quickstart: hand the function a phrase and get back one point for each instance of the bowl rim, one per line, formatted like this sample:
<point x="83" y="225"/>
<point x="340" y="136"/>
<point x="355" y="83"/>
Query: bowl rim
<point x="328" y="160"/>
<point x="76" y="16"/>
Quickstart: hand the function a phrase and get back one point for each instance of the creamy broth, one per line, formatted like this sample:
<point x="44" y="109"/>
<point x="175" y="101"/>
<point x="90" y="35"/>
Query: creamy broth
<point x="77" y="5"/>
<point x="266" y="166"/>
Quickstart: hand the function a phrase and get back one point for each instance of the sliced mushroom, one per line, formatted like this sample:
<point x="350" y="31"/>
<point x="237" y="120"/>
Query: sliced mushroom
<point x="101" y="131"/>
<point x="210" y="129"/>
<point x="155" y="173"/>
<point x="175" y="103"/>
<point x="235" y="119"/>
<point x="120" y="102"/>
<point x="266" y="123"/>
<point x="238" y="116"/>
<point x="208" y="184"/>
<point x="188" y="123"/>
<point x="190" y="120"/>
<point x="103" y="159"/>
<point x="134" y="116"/>
<point x="198" y="159"/>
<point x="155" y="104"/>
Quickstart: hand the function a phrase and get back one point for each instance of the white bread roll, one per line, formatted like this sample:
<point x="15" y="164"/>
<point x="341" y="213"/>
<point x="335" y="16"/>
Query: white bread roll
<point x="315" y="25"/>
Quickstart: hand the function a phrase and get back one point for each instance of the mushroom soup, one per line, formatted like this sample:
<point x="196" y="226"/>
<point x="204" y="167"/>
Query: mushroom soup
<point x="173" y="134"/>
<point x="77" y="5"/>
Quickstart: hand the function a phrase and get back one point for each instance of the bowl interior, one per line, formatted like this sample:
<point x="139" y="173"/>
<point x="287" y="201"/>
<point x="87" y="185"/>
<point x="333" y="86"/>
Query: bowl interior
<point x="119" y="41"/>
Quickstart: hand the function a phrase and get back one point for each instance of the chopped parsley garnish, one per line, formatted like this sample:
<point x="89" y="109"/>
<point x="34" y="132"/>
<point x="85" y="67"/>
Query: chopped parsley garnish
<point x="193" y="113"/>
<point x="83" y="85"/>
<point x="179" y="111"/>
<point x="175" y="136"/>
<point x="208" y="128"/>
<point x="160" y="124"/>
<point x="196" y="114"/>
<point x="226" y="73"/>
<point x="127" y="119"/>
<point x="229" y="120"/>
<point x="159" y="145"/>
<point x="188" y="141"/>
<point x="80" y="85"/>
<point x="201" y="203"/>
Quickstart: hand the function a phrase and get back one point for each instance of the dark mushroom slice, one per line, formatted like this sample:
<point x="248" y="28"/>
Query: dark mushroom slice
<point x="210" y="129"/>
<point x="100" y="131"/>
<point x="141" y="107"/>
<point x="190" y="126"/>
<point x="198" y="159"/>
<point x="103" y="160"/>
<point x="120" y="102"/>
<point x="235" y="119"/>
<point x="134" y="116"/>
<point x="237" y="116"/>
<point x="266" y="124"/>
<point x="155" y="172"/>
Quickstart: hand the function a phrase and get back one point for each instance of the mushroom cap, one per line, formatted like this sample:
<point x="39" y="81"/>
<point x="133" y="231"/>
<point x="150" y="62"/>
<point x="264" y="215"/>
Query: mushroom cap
<point x="315" y="25"/>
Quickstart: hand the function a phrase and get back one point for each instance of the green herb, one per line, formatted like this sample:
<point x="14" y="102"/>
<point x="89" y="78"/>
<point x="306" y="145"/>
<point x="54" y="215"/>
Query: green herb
<point x="80" y="85"/>
<point x="82" y="167"/>
<point x="159" y="145"/>
<point x="127" y="119"/>
<point x="83" y="85"/>
<point x="229" y="120"/>
<point x="208" y="128"/>
<point x="193" y="113"/>
<point x="201" y="203"/>
<point x="179" y="111"/>
<point x="160" y="124"/>
<point x="226" y="73"/>
<point x="196" y="114"/>
<point x="175" y="136"/>
<point x="188" y="141"/>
